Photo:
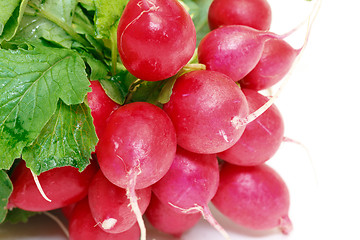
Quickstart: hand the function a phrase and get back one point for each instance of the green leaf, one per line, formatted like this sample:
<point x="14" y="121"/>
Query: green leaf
<point x="32" y="81"/>
<point x="67" y="140"/>
<point x="107" y="16"/>
<point x="148" y="92"/>
<point x="62" y="9"/>
<point x="10" y="17"/>
<point x="98" y="69"/>
<point x="34" y="28"/>
<point x="7" y="8"/>
<point x="5" y="191"/>
<point x="17" y="215"/>
<point x="118" y="87"/>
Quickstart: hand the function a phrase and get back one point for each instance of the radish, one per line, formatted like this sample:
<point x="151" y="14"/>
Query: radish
<point x="261" y="138"/>
<point x="63" y="186"/>
<point x="164" y="218"/>
<point x="156" y="38"/>
<point x="110" y="206"/>
<point x="233" y="50"/>
<point x="101" y="106"/>
<point x="254" y="197"/>
<point x="252" y="13"/>
<point x="190" y="184"/>
<point x="83" y="227"/>
<point x="275" y="62"/>
<point x="137" y="149"/>
<point x="205" y="108"/>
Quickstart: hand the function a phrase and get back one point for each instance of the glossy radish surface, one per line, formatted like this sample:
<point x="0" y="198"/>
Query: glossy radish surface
<point x="139" y="139"/>
<point x="233" y="50"/>
<point x="136" y="150"/>
<point x="101" y="106"/>
<point x="254" y="197"/>
<point x="275" y="62"/>
<point x="252" y="13"/>
<point x="156" y="38"/>
<point x="190" y="184"/>
<point x="82" y="226"/>
<point x="110" y="205"/>
<point x="261" y="138"/>
<point x="63" y="186"/>
<point x="205" y="107"/>
<point x="164" y="218"/>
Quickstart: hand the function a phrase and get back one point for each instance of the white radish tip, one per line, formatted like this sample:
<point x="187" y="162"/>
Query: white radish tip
<point x="38" y="185"/>
<point x="285" y="225"/>
<point x="108" y="223"/>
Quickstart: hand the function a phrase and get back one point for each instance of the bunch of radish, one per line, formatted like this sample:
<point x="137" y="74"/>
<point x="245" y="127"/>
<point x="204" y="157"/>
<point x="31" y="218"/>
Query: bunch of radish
<point x="207" y="144"/>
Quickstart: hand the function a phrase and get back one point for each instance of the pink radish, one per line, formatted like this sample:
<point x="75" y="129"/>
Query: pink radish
<point x="275" y="62"/>
<point x="137" y="149"/>
<point x="261" y="138"/>
<point x="252" y="13"/>
<point x="164" y="218"/>
<point x="101" y="106"/>
<point x="254" y="197"/>
<point x="63" y="186"/>
<point x="233" y="50"/>
<point x="205" y="107"/>
<point x="156" y="38"/>
<point x="83" y="227"/>
<point x="190" y="184"/>
<point x="110" y="206"/>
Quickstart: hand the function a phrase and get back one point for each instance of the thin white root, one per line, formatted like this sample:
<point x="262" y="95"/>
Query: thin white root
<point x="59" y="222"/>
<point x="38" y="185"/>
<point x="207" y="215"/>
<point x="239" y="122"/>
<point x="289" y="140"/>
<point x="131" y="194"/>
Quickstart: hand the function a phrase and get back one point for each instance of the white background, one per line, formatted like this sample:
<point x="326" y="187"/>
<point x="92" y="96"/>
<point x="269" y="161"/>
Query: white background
<point x="320" y="106"/>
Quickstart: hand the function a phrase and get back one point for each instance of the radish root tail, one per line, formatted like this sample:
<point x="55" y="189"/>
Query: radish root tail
<point x="38" y="185"/>
<point x="207" y="215"/>
<point x="131" y="194"/>
<point x="237" y="122"/>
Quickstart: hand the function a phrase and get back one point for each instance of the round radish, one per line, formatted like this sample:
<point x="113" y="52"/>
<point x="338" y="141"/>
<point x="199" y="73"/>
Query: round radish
<point x="156" y="38"/>
<point x="101" y="106"/>
<point x="205" y="108"/>
<point x="275" y="62"/>
<point x="261" y="138"/>
<point x="137" y="149"/>
<point x="110" y="206"/>
<point x="233" y="50"/>
<point x="164" y="218"/>
<point x="190" y="184"/>
<point x="83" y="227"/>
<point x="254" y="197"/>
<point x="63" y="186"/>
<point x="252" y="13"/>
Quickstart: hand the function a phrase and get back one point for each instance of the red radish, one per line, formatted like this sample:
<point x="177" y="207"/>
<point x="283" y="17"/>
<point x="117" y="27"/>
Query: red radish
<point x="101" y="106"/>
<point x="190" y="184"/>
<point x="164" y="218"/>
<point x="233" y="50"/>
<point x="205" y="108"/>
<point x="254" y="197"/>
<point x="261" y="138"/>
<point x="156" y="38"/>
<point x="63" y="186"/>
<point x="137" y="149"/>
<point x="110" y="206"/>
<point x="252" y="13"/>
<point x="83" y="227"/>
<point x="275" y="62"/>
<point x="68" y="210"/>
